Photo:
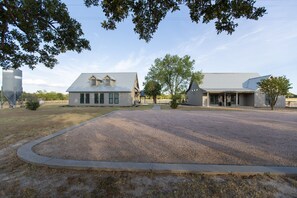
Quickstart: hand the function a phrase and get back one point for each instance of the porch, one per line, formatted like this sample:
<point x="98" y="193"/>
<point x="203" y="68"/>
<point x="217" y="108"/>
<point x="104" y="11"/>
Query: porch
<point x="228" y="99"/>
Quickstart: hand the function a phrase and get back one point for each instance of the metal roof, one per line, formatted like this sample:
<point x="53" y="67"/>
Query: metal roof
<point x="124" y="82"/>
<point x="243" y="90"/>
<point x="232" y="82"/>
<point x="252" y="83"/>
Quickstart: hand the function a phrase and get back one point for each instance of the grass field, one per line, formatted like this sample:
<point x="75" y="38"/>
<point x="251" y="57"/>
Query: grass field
<point x="19" y="179"/>
<point x="20" y="123"/>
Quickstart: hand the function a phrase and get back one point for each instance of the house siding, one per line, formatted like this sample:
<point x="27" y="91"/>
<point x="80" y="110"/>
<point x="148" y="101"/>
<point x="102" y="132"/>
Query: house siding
<point x="195" y="95"/>
<point x="125" y="99"/>
<point x="281" y="102"/>
<point x="135" y="97"/>
<point x="243" y="85"/>
<point x="260" y="100"/>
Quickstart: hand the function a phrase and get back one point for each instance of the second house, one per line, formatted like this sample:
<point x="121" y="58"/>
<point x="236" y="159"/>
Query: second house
<point x="104" y="89"/>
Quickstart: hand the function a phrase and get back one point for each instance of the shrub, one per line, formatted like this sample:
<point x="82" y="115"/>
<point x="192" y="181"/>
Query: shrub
<point x="32" y="105"/>
<point x="174" y="103"/>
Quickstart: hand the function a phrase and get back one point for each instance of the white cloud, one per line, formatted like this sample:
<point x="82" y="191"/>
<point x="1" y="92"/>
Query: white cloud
<point x="250" y="34"/>
<point x="194" y="43"/>
<point x="41" y="82"/>
<point x="34" y="82"/>
<point x="128" y="64"/>
<point x="136" y="62"/>
<point x="221" y="48"/>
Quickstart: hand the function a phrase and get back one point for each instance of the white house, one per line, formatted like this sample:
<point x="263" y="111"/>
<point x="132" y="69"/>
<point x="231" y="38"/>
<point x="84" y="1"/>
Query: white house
<point x="104" y="89"/>
<point x="230" y="89"/>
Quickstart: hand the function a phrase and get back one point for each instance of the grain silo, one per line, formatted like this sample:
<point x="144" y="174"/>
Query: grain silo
<point x="12" y="85"/>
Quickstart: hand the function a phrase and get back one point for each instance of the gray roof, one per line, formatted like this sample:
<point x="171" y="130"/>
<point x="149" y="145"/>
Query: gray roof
<point x="252" y="83"/>
<point x="124" y="82"/>
<point x="244" y="82"/>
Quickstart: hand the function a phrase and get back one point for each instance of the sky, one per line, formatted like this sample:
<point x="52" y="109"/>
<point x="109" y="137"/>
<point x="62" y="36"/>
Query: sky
<point x="267" y="46"/>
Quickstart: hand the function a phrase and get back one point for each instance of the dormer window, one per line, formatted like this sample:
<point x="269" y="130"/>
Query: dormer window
<point x="109" y="81"/>
<point x="94" y="81"/>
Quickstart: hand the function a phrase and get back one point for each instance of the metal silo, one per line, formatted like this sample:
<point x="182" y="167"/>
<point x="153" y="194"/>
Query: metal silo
<point x="12" y="85"/>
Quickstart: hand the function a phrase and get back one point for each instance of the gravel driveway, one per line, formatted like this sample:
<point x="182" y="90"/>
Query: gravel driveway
<point x="173" y="136"/>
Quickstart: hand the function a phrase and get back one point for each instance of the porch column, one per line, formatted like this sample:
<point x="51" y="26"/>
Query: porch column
<point x="225" y="100"/>
<point x="236" y="99"/>
<point x="207" y="100"/>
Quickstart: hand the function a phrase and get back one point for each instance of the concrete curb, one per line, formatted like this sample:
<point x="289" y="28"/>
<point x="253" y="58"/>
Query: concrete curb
<point x="26" y="154"/>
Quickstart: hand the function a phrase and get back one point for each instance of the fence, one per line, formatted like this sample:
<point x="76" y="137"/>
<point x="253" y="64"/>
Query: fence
<point x="291" y="102"/>
<point x="159" y="101"/>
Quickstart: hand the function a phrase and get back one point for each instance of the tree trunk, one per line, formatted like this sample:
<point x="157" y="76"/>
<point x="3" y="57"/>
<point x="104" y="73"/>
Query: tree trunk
<point x="155" y="99"/>
<point x="273" y="102"/>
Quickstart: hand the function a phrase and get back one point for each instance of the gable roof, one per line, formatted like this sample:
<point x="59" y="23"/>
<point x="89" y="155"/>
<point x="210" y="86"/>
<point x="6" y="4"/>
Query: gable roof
<point x="252" y="83"/>
<point x="124" y="82"/>
<point x="230" y="81"/>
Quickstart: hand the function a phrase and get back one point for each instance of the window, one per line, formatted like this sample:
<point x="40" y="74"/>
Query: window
<point x="116" y="98"/>
<point x="214" y="98"/>
<point x="82" y="98"/>
<point x="93" y="82"/>
<point x="267" y="100"/>
<point x="110" y="98"/>
<point x="96" y="98"/>
<point x="107" y="82"/>
<point x="87" y="98"/>
<point x="102" y="98"/>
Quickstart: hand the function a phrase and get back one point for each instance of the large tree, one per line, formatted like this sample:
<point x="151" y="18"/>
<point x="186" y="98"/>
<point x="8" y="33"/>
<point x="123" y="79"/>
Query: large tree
<point x="152" y="88"/>
<point x="274" y="87"/>
<point x="173" y="73"/>
<point x="147" y="14"/>
<point x="36" y="31"/>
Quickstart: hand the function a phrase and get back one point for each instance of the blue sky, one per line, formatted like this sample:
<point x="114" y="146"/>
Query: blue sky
<point x="266" y="46"/>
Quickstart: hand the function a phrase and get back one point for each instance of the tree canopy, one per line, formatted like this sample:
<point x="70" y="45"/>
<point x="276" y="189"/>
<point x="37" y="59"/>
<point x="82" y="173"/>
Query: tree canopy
<point x="152" y="88"/>
<point x="147" y="14"/>
<point x="274" y="87"/>
<point x="36" y="31"/>
<point x="44" y="95"/>
<point x="173" y="73"/>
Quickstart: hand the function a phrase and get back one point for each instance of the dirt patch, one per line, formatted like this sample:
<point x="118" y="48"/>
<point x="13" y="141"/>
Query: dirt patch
<point x="20" y="123"/>
<point x="211" y="137"/>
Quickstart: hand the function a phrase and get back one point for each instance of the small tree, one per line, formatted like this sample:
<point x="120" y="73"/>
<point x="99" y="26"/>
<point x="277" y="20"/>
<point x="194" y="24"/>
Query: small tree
<point x="274" y="87"/>
<point x="174" y="74"/>
<point x="152" y="88"/>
